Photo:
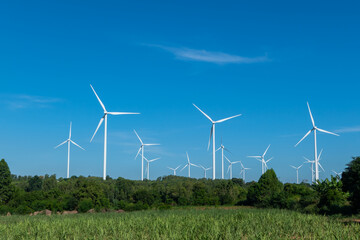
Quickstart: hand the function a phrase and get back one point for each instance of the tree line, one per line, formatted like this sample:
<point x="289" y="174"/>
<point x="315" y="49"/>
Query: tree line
<point x="26" y="194"/>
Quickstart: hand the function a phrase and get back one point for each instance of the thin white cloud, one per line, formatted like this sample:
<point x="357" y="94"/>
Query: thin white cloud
<point x="19" y="101"/>
<point x="348" y="129"/>
<point x="189" y="54"/>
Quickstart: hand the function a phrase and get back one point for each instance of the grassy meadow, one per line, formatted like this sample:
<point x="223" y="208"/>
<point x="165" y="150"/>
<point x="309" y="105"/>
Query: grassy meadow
<point x="206" y="223"/>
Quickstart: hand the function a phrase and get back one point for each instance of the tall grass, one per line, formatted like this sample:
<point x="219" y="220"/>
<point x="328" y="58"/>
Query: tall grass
<point x="179" y="224"/>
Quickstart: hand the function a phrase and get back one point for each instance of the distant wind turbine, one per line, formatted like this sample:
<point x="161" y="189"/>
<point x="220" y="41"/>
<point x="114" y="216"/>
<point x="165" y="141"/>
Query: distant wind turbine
<point x="262" y="160"/>
<point x="312" y="165"/>
<point x="337" y="173"/>
<point x="222" y="158"/>
<point x="212" y="133"/>
<point x="68" y="141"/>
<point x="243" y="170"/>
<point x="297" y="172"/>
<point x="142" y="153"/>
<point x="205" y="169"/>
<point x="148" y="166"/>
<point x="189" y="164"/>
<point x="105" y="127"/>
<point x="314" y="129"/>
<point x="174" y="169"/>
<point x="230" y="166"/>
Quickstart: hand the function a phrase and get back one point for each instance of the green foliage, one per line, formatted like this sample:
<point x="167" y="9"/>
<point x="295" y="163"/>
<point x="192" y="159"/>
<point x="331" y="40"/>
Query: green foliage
<point x="351" y="182"/>
<point x="6" y="189"/>
<point x="35" y="184"/>
<point x="85" y="205"/>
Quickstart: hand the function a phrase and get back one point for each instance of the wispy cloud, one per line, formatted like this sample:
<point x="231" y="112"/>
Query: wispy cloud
<point x="20" y="101"/>
<point x="348" y="129"/>
<point x="189" y="54"/>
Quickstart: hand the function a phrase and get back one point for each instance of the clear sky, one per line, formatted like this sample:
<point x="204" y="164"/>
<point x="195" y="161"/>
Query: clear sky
<point x="263" y="59"/>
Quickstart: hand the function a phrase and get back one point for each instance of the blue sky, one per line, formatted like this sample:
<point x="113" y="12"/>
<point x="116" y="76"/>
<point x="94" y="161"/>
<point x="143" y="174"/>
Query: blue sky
<point x="261" y="59"/>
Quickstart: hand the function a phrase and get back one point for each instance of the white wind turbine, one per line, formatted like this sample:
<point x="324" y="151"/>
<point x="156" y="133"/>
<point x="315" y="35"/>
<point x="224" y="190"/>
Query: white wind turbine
<point x="312" y="165"/>
<point x="243" y="171"/>
<point x="174" y="169"/>
<point x="142" y="153"/>
<point x="68" y="141"/>
<point x="148" y="166"/>
<point x="230" y="166"/>
<point x="222" y="158"/>
<point x="262" y="160"/>
<point x="314" y="129"/>
<point x="189" y="164"/>
<point x="105" y="127"/>
<point x="212" y="133"/>
<point x="297" y="172"/>
<point x="337" y="173"/>
<point x="205" y="169"/>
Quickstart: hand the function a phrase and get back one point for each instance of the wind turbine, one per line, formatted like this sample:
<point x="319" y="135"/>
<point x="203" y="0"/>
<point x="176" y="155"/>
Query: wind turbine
<point x="68" y="141"/>
<point x="148" y="166"/>
<point x="337" y="173"/>
<point x="142" y="153"/>
<point x="262" y="160"/>
<point x="243" y="169"/>
<point x="297" y="172"/>
<point x="205" y="169"/>
<point x="312" y="165"/>
<point x="212" y="133"/>
<point x="230" y="166"/>
<point x="174" y="169"/>
<point x="105" y="127"/>
<point x="314" y="129"/>
<point x="222" y="158"/>
<point x="189" y="164"/>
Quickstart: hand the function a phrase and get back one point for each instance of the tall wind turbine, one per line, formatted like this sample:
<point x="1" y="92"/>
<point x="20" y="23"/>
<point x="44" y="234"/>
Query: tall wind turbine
<point x="189" y="164"/>
<point x="205" y="169"/>
<point x="212" y="133"/>
<point x="262" y="160"/>
<point x="314" y="129"/>
<point x="243" y="171"/>
<point x="230" y="166"/>
<point x="222" y="158"/>
<point x="68" y="141"/>
<point x="174" y="169"/>
<point x="148" y="166"/>
<point x="106" y="113"/>
<point x="297" y="172"/>
<point x="142" y="153"/>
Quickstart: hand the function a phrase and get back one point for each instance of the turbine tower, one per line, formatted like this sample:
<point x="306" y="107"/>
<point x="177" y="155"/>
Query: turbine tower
<point x="314" y="129"/>
<point x="205" y="169"/>
<point x="230" y="166"/>
<point x="106" y="113"/>
<point x="142" y="153"/>
<point x="222" y="158"/>
<point x="148" y="166"/>
<point x="68" y="141"/>
<point x="297" y="172"/>
<point x="212" y="133"/>
<point x="174" y="169"/>
<point x="262" y="160"/>
<point x="189" y="164"/>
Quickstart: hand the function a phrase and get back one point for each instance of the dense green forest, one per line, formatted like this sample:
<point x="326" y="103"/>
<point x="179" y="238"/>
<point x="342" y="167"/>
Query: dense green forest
<point x="26" y="194"/>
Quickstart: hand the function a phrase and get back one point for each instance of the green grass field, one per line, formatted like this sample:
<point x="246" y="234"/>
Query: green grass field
<point x="213" y="223"/>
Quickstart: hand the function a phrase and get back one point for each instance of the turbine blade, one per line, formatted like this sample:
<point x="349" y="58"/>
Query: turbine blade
<point x="102" y="105"/>
<point x="187" y="155"/>
<point x="203" y="113"/>
<point x="227" y="159"/>
<point x="138" y="137"/>
<point x="324" y="131"/>
<point x="303" y="137"/>
<point x="321" y="166"/>
<point x="269" y="160"/>
<point x="225" y="119"/>
<point x="319" y="157"/>
<point x="292" y="166"/>
<point x="61" y="143"/>
<point x="76" y="144"/>
<point x="227" y="150"/>
<point x="153" y="160"/>
<point x="70" y="131"/>
<point x="218" y="149"/>
<point x="184" y="167"/>
<point x="254" y="156"/>
<point x="211" y="133"/>
<point x="194" y="165"/>
<point x="151" y="144"/>
<point x="138" y="152"/>
<point x="266" y="150"/>
<point x="121" y="113"/>
<point x="228" y="169"/>
<point x="311" y="116"/>
<point x="101" y="120"/>
<point x="177" y="167"/>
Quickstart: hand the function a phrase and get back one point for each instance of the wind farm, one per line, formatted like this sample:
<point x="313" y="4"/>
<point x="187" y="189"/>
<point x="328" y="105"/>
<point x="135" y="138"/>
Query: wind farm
<point x="179" y="120"/>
